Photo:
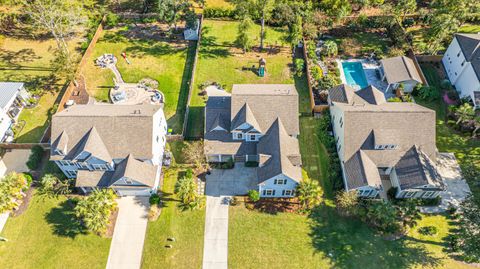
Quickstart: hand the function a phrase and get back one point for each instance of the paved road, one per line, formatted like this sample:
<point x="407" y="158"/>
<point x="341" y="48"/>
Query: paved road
<point x="127" y="242"/>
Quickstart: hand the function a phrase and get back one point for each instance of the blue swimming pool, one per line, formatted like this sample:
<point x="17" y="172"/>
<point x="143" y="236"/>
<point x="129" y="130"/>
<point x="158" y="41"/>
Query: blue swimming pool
<point x="354" y="74"/>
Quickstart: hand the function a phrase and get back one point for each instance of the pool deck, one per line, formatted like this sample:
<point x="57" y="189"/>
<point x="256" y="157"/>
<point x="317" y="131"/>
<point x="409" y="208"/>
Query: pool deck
<point x="369" y="68"/>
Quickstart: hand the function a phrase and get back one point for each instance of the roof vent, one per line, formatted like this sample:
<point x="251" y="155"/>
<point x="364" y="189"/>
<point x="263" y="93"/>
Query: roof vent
<point x="137" y="112"/>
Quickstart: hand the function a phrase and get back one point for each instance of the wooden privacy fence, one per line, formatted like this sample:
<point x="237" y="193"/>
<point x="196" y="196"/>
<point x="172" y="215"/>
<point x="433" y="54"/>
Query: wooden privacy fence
<point x="313" y="107"/>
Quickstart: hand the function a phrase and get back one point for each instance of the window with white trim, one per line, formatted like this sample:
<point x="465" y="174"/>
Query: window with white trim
<point x="280" y="181"/>
<point x="409" y="194"/>
<point x="428" y="194"/>
<point x="99" y="167"/>
<point x="253" y="137"/>
<point x="287" y="192"/>
<point x="269" y="192"/>
<point x="71" y="173"/>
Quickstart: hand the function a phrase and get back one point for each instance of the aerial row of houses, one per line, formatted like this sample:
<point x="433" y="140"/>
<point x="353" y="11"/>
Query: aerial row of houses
<point x="380" y="144"/>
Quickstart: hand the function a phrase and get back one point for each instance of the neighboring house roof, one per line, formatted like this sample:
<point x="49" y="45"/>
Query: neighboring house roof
<point x="372" y="95"/>
<point x="267" y="102"/>
<point x="342" y="93"/>
<point x="470" y="46"/>
<point x="271" y="110"/>
<point x="8" y="90"/>
<point x="284" y="154"/>
<point x="123" y="130"/>
<point x="399" y="69"/>
<point x="415" y="169"/>
<point x="402" y="124"/>
<point x="360" y="171"/>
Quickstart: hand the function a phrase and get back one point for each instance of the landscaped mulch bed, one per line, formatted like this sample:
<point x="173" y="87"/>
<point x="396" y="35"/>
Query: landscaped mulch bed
<point x="24" y="205"/>
<point x="112" y="222"/>
<point x="275" y="205"/>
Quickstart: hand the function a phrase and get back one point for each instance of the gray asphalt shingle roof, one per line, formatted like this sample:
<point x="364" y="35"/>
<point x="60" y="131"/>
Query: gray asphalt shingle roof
<point x="8" y="90"/>
<point x="399" y="69"/>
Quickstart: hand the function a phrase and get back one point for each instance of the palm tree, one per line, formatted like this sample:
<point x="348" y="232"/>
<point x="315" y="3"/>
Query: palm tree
<point x="309" y="193"/>
<point x="330" y="48"/>
<point x="186" y="189"/>
<point x="464" y="112"/>
<point x="95" y="209"/>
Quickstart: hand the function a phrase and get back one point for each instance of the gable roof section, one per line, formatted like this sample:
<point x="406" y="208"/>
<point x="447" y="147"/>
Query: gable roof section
<point x="122" y="129"/>
<point x="86" y="178"/>
<point x="61" y="142"/>
<point x="284" y="154"/>
<point x="268" y="102"/>
<point x="136" y="170"/>
<point x="91" y="143"/>
<point x="342" y="93"/>
<point x="415" y="169"/>
<point x="371" y="95"/>
<point x="245" y="115"/>
<point x="470" y="46"/>
<point x="360" y="171"/>
<point x="399" y="69"/>
<point x="8" y="90"/>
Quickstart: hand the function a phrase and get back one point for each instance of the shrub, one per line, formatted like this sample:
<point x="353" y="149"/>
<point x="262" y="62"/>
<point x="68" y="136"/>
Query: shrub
<point x="218" y="12"/>
<point x="11" y="191"/>
<point x="317" y="73"/>
<point x="391" y="193"/>
<point x="254" y="195"/>
<point x="328" y="81"/>
<point x="153" y="212"/>
<point x="154" y="199"/>
<point x="347" y="203"/>
<point x="35" y="158"/>
<point x="428" y="230"/>
<point x="51" y="185"/>
<point x="429" y="93"/>
<point x="112" y="19"/>
<point x="394" y="100"/>
<point x="29" y="178"/>
<point x="299" y="66"/>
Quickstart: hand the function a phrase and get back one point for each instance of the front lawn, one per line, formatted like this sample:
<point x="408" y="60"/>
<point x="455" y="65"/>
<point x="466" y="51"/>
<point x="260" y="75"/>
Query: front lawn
<point x="170" y="63"/>
<point x="186" y="227"/>
<point x="220" y="61"/>
<point x="46" y="236"/>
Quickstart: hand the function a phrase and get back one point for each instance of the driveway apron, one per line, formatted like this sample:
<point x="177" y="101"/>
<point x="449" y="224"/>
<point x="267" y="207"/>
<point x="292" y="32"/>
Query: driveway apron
<point x="129" y="234"/>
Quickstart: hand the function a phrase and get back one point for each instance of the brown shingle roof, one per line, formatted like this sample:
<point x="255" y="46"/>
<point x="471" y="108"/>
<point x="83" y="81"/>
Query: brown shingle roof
<point x="136" y="170"/>
<point x="123" y="129"/>
<point x="360" y="171"/>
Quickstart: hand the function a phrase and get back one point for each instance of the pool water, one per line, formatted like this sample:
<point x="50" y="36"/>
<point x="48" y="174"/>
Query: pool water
<point x="354" y="74"/>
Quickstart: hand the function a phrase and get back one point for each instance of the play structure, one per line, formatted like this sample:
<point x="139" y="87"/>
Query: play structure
<point x="261" y="67"/>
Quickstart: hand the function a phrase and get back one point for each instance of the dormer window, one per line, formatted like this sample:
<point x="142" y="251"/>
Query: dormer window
<point x="387" y="146"/>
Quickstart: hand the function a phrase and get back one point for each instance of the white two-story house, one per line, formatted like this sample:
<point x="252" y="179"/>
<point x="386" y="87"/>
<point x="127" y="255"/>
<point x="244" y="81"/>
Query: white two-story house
<point x="258" y="123"/>
<point x="383" y="145"/>
<point x="462" y="64"/>
<point x="13" y="98"/>
<point x="110" y="146"/>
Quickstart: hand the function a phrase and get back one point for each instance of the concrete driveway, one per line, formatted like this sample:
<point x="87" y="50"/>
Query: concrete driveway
<point x="221" y="184"/>
<point x="129" y="234"/>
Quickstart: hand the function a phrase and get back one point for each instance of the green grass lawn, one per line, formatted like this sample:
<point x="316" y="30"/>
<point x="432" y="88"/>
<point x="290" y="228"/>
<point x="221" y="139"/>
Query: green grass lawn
<point x="29" y="61"/>
<point x="359" y="44"/>
<point x="220" y="61"/>
<point x="167" y="62"/>
<point x="186" y="227"/>
<point x="219" y="4"/>
<point x="45" y="236"/>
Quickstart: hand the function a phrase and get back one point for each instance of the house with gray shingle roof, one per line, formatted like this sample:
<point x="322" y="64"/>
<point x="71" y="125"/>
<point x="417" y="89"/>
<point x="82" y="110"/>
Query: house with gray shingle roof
<point x="462" y="64"/>
<point x="258" y="123"/>
<point x="400" y="70"/>
<point x="110" y="146"/>
<point x="384" y="144"/>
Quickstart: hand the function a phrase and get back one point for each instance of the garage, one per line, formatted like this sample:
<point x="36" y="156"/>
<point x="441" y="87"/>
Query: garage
<point x="133" y="192"/>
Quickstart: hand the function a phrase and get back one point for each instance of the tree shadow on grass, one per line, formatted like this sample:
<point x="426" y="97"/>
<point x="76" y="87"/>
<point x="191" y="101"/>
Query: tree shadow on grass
<point x="209" y="47"/>
<point x="351" y="244"/>
<point x="63" y="221"/>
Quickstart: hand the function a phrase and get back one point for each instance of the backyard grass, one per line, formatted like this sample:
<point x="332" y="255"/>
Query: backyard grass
<point x="169" y="63"/>
<point x="360" y="44"/>
<point x="218" y="4"/>
<point x="45" y="236"/>
<point x="186" y="227"/>
<point x="220" y="61"/>
<point x="29" y="61"/>
<point x="449" y="140"/>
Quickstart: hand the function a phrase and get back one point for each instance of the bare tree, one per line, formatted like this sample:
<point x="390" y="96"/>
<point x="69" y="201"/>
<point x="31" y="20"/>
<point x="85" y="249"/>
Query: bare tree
<point x="60" y="18"/>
